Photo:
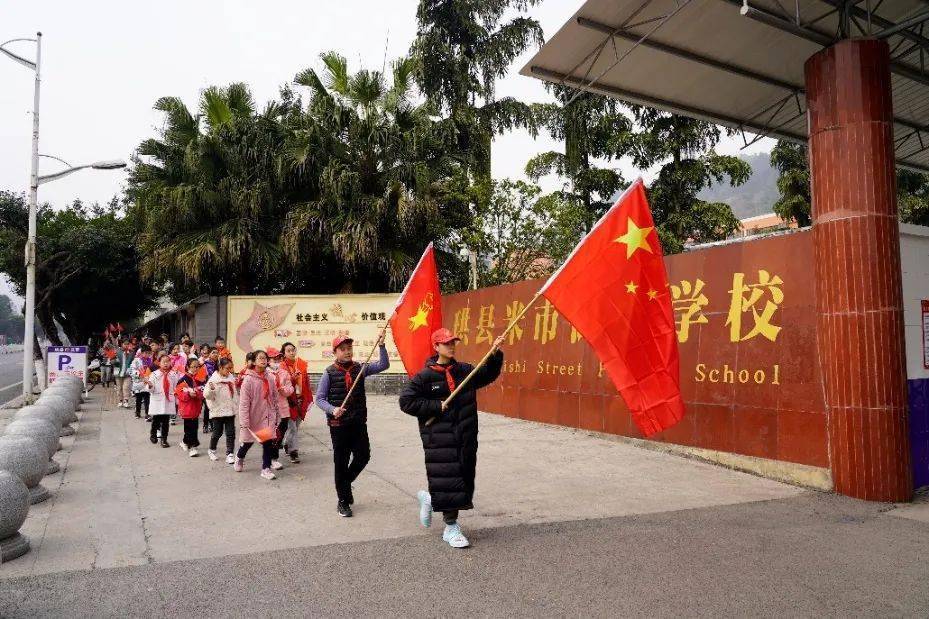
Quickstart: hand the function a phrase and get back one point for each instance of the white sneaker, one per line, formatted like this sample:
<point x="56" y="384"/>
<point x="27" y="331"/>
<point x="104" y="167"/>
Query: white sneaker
<point x="238" y="465"/>
<point x="425" y="508"/>
<point x="276" y="465"/>
<point x="267" y="474"/>
<point x="212" y="454"/>
<point x="454" y="536"/>
<point x="230" y="459"/>
<point x="184" y="446"/>
<point x="193" y="453"/>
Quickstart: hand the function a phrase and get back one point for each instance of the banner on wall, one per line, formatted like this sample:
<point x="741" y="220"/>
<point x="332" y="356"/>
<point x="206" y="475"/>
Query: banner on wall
<point x="310" y="322"/>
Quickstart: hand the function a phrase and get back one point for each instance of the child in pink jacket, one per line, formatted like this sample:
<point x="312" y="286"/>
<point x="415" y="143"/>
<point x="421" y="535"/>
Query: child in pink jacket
<point x="284" y="388"/>
<point x="258" y="413"/>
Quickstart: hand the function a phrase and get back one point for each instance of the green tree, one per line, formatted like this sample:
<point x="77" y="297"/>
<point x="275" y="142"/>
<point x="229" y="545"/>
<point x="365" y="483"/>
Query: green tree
<point x="462" y="47"/>
<point x="684" y="148"/>
<point x="386" y="183"/>
<point x="793" y="182"/>
<point x="209" y="196"/>
<point x="795" y="202"/>
<point x="590" y="125"/>
<point x="12" y="324"/>
<point x="86" y="267"/>
<point x="521" y="234"/>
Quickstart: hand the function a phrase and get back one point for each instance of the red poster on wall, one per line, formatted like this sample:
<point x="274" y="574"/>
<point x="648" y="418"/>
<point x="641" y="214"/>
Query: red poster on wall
<point x="925" y="324"/>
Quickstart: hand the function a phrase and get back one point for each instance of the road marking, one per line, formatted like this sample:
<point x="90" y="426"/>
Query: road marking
<point x="11" y="386"/>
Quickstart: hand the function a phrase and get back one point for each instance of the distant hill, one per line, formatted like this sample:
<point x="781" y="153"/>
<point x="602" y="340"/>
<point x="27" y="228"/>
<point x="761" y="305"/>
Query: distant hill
<point x="756" y="197"/>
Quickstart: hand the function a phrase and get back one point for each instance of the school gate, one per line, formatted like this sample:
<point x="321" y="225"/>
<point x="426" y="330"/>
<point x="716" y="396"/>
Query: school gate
<point x="751" y="369"/>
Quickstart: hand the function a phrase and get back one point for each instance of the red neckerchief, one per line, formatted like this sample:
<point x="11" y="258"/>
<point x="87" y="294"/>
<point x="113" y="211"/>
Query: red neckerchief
<point x="347" y="372"/>
<point x="446" y="369"/>
<point x="291" y="368"/>
<point x="266" y="387"/>
<point x="166" y="385"/>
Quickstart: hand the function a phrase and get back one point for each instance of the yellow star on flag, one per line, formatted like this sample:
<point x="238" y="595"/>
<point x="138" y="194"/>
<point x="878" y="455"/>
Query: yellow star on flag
<point x="652" y="294"/>
<point x="635" y="238"/>
<point x="631" y="287"/>
<point x="419" y="319"/>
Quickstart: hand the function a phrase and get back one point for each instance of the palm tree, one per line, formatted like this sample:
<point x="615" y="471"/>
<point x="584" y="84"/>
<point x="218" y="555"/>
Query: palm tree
<point x="383" y="179"/>
<point x="208" y="194"/>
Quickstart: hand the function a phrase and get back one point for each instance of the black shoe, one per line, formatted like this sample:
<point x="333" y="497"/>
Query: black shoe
<point x="165" y="444"/>
<point x="153" y="439"/>
<point x="351" y="497"/>
<point x="138" y="416"/>
<point x="345" y="509"/>
<point x="294" y="457"/>
<point x="148" y="418"/>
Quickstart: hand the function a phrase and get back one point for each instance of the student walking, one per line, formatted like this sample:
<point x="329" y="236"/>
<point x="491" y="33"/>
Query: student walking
<point x="348" y="418"/>
<point x="121" y="367"/>
<point x="162" y="383"/>
<point x="139" y="371"/>
<point x="190" y="402"/>
<point x="223" y="401"/>
<point x="449" y="435"/>
<point x="284" y="390"/>
<point x="299" y="402"/>
<point x="258" y="415"/>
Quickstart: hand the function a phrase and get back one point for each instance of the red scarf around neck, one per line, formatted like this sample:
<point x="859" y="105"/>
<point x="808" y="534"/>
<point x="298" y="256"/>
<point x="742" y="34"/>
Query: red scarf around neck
<point x="347" y="372"/>
<point x="446" y="369"/>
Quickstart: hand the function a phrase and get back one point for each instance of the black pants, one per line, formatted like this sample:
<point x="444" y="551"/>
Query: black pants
<point x="266" y="449"/>
<point x="279" y="439"/>
<point x="191" y="426"/>
<point x="141" y="399"/>
<point x="160" y="422"/>
<point x="220" y="425"/>
<point x="450" y="517"/>
<point x="206" y="416"/>
<point x="349" y="442"/>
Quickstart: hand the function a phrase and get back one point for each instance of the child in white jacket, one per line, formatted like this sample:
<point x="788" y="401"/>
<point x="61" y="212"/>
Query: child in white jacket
<point x="223" y="403"/>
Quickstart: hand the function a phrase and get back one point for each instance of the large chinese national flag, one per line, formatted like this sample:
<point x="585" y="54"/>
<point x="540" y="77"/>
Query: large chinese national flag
<point x="614" y="289"/>
<point x="418" y="314"/>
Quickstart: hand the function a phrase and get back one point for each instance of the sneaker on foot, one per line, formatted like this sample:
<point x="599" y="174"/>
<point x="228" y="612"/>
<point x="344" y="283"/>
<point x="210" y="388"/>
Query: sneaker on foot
<point x="345" y="510"/>
<point x="153" y="439"/>
<point x="425" y="508"/>
<point x="230" y="459"/>
<point x="184" y="446"/>
<point x="148" y="418"/>
<point x="165" y="444"/>
<point x="268" y="474"/>
<point x="212" y="454"/>
<point x="454" y="537"/>
<point x="294" y="457"/>
<point x="193" y="453"/>
<point x="276" y="465"/>
<point x="239" y="465"/>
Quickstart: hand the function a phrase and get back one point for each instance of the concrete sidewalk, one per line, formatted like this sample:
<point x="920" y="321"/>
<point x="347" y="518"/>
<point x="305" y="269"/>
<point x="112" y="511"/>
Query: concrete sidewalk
<point x="120" y="501"/>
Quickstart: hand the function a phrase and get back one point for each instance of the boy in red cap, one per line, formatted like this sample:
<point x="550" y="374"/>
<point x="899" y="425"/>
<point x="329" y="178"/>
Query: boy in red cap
<point x="348" y="420"/>
<point x="449" y="434"/>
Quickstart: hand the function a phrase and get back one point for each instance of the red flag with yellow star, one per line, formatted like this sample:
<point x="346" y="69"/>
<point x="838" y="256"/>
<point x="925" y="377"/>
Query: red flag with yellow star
<point x="614" y="289"/>
<point x="418" y="314"/>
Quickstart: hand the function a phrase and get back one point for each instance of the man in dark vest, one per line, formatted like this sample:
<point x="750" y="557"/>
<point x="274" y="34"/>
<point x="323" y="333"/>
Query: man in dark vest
<point x="449" y="434"/>
<point x="347" y="420"/>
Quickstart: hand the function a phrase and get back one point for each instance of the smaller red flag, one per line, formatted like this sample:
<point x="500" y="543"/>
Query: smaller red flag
<point x="418" y="313"/>
<point x="614" y="289"/>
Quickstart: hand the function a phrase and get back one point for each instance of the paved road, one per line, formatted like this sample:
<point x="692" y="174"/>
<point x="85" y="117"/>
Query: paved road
<point x="11" y="376"/>
<point x="814" y="554"/>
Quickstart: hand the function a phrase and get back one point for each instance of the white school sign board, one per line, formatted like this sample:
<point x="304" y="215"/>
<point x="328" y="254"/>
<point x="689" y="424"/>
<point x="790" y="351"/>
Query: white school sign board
<point x="67" y="360"/>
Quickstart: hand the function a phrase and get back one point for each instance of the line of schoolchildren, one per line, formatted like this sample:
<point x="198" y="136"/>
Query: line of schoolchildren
<point x="270" y="397"/>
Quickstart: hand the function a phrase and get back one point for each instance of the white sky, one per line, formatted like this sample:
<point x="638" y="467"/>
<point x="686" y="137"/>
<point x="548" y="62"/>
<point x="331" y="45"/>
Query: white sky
<point x="105" y="63"/>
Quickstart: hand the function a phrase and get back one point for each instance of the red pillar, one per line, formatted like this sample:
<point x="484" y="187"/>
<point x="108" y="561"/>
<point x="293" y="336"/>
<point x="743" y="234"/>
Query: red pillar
<point x="857" y="254"/>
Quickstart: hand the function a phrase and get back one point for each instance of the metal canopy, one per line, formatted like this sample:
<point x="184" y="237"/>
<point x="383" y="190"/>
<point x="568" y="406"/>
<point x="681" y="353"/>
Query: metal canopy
<point x="739" y="63"/>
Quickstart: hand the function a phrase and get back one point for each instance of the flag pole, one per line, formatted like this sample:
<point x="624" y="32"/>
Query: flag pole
<point x="367" y="361"/>
<point x="481" y="363"/>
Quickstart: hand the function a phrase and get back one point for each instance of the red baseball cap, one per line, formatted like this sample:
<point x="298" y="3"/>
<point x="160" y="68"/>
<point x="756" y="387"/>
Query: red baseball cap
<point x="273" y="352"/>
<point x="443" y="336"/>
<point x="341" y="339"/>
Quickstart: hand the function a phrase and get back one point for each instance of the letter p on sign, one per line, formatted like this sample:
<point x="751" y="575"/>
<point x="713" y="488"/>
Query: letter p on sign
<point x="63" y="361"/>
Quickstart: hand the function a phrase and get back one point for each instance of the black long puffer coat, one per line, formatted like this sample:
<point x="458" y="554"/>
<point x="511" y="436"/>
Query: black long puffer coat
<point x="450" y="442"/>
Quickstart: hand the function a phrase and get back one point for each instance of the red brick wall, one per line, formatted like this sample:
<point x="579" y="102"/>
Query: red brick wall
<point x="768" y="404"/>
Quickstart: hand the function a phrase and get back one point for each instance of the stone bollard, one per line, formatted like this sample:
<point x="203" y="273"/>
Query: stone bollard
<point x="25" y="460"/>
<point x="60" y="402"/>
<point x="42" y="430"/>
<point x="14" y="507"/>
<point x="48" y="413"/>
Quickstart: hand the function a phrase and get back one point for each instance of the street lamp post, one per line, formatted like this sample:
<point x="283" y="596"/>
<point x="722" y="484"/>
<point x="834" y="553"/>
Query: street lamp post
<point x="34" y="181"/>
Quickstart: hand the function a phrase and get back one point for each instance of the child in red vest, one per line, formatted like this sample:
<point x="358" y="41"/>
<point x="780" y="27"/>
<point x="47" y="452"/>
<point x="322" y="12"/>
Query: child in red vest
<point x="189" y="404"/>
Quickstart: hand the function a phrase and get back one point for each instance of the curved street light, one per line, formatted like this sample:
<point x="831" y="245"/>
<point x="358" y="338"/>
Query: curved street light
<point x="34" y="182"/>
